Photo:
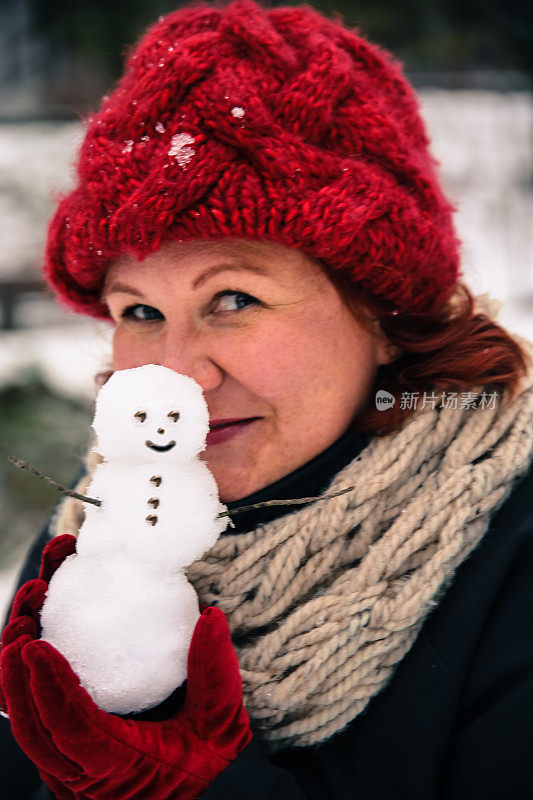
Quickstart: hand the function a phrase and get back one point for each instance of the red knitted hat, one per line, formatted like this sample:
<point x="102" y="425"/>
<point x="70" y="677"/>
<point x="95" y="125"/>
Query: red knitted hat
<point x="273" y="124"/>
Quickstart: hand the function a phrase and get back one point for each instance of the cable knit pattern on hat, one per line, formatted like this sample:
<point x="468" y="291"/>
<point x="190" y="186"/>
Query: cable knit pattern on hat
<point x="324" y="602"/>
<point x="277" y="125"/>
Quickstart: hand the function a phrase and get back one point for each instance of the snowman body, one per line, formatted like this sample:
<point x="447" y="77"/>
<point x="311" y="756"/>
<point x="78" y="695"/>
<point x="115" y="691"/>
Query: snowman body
<point x="161" y="503"/>
<point x="120" y="609"/>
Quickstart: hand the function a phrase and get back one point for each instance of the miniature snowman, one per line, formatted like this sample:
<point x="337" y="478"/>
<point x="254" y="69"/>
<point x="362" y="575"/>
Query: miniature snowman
<point x="120" y="609"/>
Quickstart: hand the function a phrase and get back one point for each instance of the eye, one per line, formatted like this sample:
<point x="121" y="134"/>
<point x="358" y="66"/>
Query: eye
<point x="141" y="415"/>
<point x="141" y="313"/>
<point x="233" y="301"/>
<point x="175" y="415"/>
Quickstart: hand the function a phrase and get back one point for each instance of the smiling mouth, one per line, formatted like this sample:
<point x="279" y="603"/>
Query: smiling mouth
<point x="216" y="425"/>
<point x="161" y="448"/>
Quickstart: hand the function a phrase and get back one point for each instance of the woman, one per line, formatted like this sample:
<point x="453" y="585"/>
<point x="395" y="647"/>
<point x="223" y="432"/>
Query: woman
<point x="257" y="208"/>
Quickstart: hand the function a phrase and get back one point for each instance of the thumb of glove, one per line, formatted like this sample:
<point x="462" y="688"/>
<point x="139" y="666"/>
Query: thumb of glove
<point x="214" y="686"/>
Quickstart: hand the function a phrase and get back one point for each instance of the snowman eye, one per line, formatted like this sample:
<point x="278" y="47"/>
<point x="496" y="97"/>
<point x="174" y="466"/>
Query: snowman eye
<point x="175" y="415"/>
<point x="140" y="415"/>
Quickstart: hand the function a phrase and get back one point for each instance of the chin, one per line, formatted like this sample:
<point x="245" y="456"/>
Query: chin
<point x="236" y="478"/>
<point x="229" y="491"/>
<point x="233" y="487"/>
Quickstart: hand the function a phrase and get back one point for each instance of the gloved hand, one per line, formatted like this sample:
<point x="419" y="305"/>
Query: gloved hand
<point x="82" y="752"/>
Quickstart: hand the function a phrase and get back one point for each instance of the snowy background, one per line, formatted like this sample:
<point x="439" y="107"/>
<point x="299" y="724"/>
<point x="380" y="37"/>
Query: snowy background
<point x="483" y="140"/>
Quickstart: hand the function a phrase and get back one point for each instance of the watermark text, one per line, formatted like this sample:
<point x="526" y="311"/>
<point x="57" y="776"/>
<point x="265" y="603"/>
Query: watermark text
<point x="452" y="400"/>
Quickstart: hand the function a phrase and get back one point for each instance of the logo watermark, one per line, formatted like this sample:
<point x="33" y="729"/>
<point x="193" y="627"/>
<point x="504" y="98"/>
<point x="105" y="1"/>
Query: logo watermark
<point x="453" y="400"/>
<point x="384" y="400"/>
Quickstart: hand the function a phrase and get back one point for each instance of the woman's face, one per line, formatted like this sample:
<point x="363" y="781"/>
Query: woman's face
<point x="264" y="332"/>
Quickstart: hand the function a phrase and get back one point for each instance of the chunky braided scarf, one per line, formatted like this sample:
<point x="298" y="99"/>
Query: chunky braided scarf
<point x="324" y="602"/>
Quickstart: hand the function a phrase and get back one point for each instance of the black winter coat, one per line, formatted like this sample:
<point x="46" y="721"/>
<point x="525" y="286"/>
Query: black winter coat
<point x="455" y="720"/>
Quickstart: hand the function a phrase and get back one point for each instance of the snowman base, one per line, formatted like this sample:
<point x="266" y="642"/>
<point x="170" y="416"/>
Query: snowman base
<point x="145" y="617"/>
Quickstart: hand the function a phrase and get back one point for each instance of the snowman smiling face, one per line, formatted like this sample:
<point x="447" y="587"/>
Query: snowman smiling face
<point x="160" y="448"/>
<point x="137" y="417"/>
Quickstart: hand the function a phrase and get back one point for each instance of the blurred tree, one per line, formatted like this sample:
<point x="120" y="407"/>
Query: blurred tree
<point x="447" y="34"/>
<point x="435" y="34"/>
<point x="49" y="431"/>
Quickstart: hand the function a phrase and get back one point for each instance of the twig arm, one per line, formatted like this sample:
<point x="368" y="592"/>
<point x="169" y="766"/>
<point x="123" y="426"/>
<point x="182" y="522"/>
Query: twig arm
<point x="18" y="462"/>
<point x="298" y="502"/>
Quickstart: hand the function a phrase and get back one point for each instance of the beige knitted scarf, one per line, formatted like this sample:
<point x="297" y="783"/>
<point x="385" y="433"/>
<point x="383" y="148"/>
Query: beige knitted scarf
<point x="324" y="602"/>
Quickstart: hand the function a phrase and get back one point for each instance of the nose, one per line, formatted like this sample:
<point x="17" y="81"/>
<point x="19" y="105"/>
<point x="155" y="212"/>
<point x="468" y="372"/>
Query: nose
<point x="191" y="353"/>
<point x="160" y="430"/>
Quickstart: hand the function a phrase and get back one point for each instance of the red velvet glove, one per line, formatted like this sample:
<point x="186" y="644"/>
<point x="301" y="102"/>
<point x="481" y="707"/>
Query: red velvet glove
<point x="82" y="752"/>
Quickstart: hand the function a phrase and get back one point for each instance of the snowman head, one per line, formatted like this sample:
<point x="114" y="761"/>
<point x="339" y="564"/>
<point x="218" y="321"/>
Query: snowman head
<point x="150" y="414"/>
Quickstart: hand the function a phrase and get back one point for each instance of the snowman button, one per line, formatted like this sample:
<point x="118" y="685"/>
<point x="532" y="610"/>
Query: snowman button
<point x="153" y="501"/>
<point x="156" y="480"/>
<point x="151" y="518"/>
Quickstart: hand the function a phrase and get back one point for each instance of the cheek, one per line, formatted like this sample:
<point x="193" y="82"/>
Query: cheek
<point x="320" y="365"/>
<point x="287" y="363"/>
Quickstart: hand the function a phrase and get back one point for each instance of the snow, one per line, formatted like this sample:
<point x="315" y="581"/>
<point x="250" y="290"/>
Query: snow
<point x="121" y="610"/>
<point x="483" y="142"/>
<point x="7" y="586"/>
<point x="35" y="159"/>
<point x="179" y="149"/>
<point x="124" y="629"/>
<point x="150" y="404"/>
<point x="66" y="357"/>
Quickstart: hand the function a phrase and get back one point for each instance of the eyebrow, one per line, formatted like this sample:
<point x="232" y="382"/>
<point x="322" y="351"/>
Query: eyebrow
<point x="212" y="271"/>
<point x="124" y="288"/>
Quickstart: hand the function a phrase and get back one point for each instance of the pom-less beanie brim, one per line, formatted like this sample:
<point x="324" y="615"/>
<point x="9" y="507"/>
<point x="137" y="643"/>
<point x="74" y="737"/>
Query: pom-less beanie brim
<point x="278" y="125"/>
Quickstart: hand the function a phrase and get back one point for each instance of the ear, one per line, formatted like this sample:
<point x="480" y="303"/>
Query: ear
<point x="386" y="352"/>
<point x="390" y="353"/>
